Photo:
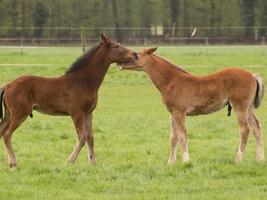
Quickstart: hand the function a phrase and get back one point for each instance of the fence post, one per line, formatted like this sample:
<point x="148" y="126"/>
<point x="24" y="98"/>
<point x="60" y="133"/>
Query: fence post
<point x="207" y="44"/>
<point x="263" y="45"/>
<point x="82" y="38"/>
<point x="21" y="45"/>
<point x="145" y="41"/>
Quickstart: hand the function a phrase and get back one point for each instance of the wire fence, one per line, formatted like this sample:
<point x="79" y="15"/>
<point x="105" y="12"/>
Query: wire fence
<point x="179" y="37"/>
<point x="185" y="50"/>
<point x="137" y="35"/>
<point x="74" y="41"/>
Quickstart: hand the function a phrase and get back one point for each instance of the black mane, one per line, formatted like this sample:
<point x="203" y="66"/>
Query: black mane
<point x="82" y="61"/>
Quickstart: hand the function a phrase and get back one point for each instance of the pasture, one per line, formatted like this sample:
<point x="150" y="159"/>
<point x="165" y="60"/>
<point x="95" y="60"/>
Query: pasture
<point x="132" y="129"/>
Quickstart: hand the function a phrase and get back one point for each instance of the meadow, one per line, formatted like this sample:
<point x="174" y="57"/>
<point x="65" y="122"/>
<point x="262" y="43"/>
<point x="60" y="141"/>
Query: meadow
<point x="132" y="128"/>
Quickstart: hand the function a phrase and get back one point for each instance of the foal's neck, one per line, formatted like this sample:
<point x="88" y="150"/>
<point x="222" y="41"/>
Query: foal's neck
<point x="96" y="68"/>
<point x="162" y="72"/>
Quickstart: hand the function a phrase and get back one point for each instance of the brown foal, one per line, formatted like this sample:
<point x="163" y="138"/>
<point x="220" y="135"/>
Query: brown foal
<point x="186" y="94"/>
<point x="73" y="94"/>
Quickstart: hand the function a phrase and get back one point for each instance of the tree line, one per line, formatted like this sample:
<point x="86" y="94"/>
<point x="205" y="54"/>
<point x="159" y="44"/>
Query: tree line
<point x="47" y="18"/>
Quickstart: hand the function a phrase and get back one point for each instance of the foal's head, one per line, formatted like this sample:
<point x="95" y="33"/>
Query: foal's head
<point x="141" y="61"/>
<point x="116" y="52"/>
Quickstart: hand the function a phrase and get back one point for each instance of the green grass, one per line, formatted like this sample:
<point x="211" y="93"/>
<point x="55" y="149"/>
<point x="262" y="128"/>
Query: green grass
<point x="131" y="129"/>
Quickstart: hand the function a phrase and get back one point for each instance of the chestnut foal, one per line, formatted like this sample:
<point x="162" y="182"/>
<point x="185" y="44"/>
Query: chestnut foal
<point x="73" y="94"/>
<point x="186" y="94"/>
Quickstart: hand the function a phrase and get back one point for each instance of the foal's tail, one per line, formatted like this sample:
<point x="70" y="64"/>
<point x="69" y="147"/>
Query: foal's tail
<point x="1" y="102"/>
<point x="259" y="91"/>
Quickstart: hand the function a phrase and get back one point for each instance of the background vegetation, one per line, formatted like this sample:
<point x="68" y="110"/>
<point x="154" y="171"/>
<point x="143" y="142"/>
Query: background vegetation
<point x="158" y="17"/>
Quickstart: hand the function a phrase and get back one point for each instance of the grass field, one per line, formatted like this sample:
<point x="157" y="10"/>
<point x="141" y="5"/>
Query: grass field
<point x="131" y="129"/>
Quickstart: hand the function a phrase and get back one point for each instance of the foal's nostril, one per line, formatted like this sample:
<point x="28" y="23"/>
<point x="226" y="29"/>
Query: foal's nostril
<point x="135" y="55"/>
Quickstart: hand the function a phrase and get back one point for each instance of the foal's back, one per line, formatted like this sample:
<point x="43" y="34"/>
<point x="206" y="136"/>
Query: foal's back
<point x="206" y="94"/>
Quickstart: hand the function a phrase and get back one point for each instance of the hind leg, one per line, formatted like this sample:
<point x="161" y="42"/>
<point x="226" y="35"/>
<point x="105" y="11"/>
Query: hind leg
<point x="4" y="123"/>
<point x="15" y="114"/>
<point x="12" y="126"/>
<point x="242" y="117"/>
<point x="3" y="126"/>
<point x="256" y="128"/>
<point x="18" y="105"/>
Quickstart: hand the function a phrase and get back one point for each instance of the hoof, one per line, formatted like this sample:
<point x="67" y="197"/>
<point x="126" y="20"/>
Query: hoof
<point x="92" y="160"/>
<point x="186" y="161"/>
<point x="238" y="160"/>
<point x="185" y="158"/>
<point x="69" y="161"/>
<point x="171" y="162"/>
<point x="13" y="167"/>
<point x="260" y="159"/>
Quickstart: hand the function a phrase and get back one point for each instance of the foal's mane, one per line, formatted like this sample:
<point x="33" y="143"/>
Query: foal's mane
<point x="172" y="65"/>
<point x="83" y="60"/>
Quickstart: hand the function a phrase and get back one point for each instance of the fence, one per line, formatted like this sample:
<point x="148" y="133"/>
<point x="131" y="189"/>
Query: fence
<point x="84" y="36"/>
<point x="157" y="34"/>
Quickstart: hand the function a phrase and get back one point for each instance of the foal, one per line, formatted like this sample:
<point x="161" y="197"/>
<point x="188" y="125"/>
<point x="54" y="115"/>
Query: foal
<point x="73" y="94"/>
<point x="187" y="94"/>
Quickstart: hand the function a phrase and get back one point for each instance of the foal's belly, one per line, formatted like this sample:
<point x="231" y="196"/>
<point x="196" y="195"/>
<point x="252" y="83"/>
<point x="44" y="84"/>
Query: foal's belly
<point x="205" y="108"/>
<point x="50" y="110"/>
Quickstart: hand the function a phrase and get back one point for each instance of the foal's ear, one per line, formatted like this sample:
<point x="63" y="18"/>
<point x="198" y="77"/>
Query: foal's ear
<point x="104" y="39"/>
<point x="151" y="50"/>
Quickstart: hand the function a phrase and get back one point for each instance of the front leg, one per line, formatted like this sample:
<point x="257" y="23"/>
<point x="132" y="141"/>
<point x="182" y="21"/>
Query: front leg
<point x="173" y="141"/>
<point x="180" y="124"/>
<point x="79" y="122"/>
<point x="90" y="137"/>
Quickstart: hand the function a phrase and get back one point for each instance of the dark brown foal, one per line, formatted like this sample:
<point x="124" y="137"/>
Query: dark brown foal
<point x="73" y="94"/>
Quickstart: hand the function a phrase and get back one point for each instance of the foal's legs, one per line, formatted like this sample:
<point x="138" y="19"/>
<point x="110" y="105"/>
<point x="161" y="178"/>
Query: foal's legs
<point x="173" y="141"/>
<point x="90" y="137"/>
<point x="182" y="135"/>
<point x="256" y="128"/>
<point x="4" y="123"/>
<point x="242" y="117"/>
<point x="3" y="127"/>
<point x="79" y="122"/>
<point x="7" y="134"/>
<point x="13" y="118"/>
